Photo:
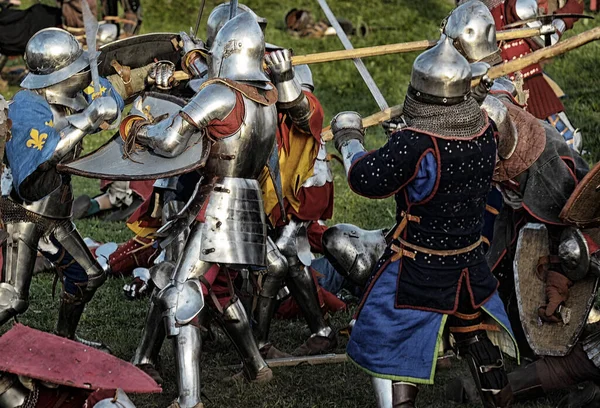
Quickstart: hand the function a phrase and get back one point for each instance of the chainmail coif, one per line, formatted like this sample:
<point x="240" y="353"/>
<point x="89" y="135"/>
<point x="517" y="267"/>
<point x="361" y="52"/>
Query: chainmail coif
<point x="463" y="119"/>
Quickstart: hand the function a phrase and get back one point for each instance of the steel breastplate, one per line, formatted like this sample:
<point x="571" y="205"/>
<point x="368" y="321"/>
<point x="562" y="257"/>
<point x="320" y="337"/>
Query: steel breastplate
<point x="244" y="154"/>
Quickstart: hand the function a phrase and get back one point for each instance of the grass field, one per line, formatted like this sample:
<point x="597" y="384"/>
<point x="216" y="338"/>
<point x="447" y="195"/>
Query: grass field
<point x="118" y="323"/>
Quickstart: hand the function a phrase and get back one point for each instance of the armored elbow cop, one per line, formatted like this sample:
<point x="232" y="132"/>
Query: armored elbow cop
<point x="104" y="109"/>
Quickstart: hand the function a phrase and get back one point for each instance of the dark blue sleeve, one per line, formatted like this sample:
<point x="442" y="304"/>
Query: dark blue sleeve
<point x="390" y="168"/>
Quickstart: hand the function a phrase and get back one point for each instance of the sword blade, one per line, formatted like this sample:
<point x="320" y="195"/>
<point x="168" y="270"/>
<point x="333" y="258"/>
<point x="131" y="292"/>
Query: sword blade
<point x="199" y="18"/>
<point x="233" y="6"/>
<point x="362" y="69"/>
<point x="91" y="30"/>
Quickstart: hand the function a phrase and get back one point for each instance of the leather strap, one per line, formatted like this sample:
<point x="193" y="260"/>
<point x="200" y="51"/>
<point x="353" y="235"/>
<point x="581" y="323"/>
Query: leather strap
<point x="401" y="251"/>
<point x="470" y="329"/>
<point x="404" y="222"/>
<point x="125" y="73"/>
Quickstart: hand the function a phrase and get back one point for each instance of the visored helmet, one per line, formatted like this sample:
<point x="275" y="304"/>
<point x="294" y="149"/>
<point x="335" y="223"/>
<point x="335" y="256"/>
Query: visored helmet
<point x="238" y="51"/>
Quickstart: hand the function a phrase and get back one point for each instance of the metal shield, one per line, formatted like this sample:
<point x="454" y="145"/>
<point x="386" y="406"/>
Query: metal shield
<point x="138" y="51"/>
<point x="57" y="360"/>
<point x="110" y="163"/>
<point x="547" y="339"/>
<point x="583" y="206"/>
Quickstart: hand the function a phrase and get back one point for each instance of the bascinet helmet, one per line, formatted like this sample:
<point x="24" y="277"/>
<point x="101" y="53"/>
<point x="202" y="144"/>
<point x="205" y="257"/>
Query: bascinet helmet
<point x="440" y="75"/>
<point x="471" y="26"/>
<point x="52" y="55"/>
<point x="238" y="51"/>
<point x="220" y="15"/>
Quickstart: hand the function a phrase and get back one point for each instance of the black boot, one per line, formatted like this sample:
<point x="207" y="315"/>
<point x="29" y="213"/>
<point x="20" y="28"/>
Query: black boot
<point x="404" y="395"/>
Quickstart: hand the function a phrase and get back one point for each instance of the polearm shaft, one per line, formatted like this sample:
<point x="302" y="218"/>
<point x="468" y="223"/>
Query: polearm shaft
<point x="494" y="72"/>
<point x="362" y="69"/>
<point x="397" y="48"/>
<point x="543" y="54"/>
<point x="378" y="50"/>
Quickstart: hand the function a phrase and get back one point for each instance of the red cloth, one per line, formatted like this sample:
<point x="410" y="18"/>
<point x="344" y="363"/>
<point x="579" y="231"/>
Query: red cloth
<point x="142" y="188"/>
<point x="142" y="214"/>
<point x="218" y="129"/>
<point x="315" y="236"/>
<point x="217" y="278"/>
<point x="329" y="303"/>
<point x="542" y="101"/>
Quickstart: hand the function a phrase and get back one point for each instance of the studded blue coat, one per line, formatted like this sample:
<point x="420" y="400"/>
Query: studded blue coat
<point x="440" y="186"/>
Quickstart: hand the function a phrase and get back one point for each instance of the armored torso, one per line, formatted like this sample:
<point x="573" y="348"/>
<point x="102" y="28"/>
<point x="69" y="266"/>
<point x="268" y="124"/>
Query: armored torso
<point x="244" y="153"/>
<point x="234" y="229"/>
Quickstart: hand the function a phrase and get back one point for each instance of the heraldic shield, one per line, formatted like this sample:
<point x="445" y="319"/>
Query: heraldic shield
<point x="548" y="339"/>
<point x="112" y="162"/>
<point x="57" y="360"/>
<point x="583" y="207"/>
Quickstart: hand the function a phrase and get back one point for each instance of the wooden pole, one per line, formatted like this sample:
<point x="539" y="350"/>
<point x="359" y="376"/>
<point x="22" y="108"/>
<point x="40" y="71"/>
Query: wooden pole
<point x="387" y="49"/>
<point x="543" y="54"/>
<point x="373" y="120"/>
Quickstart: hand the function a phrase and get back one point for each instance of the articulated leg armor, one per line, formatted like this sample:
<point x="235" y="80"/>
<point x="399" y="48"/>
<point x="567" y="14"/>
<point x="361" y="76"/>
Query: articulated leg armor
<point x="188" y="345"/>
<point x="277" y="269"/>
<point x="234" y="321"/>
<point x="72" y="306"/>
<point x="293" y="244"/>
<point x="383" y="391"/>
<point x="153" y="334"/>
<point x="484" y="358"/>
<point x="20" y="256"/>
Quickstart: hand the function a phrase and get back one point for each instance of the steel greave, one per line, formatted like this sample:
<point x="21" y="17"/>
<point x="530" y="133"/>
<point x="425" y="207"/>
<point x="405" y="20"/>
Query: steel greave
<point x="304" y="291"/>
<point x="153" y="336"/>
<point x="383" y="392"/>
<point x="19" y="262"/>
<point x="188" y="346"/>
<point x="237" y="327"/>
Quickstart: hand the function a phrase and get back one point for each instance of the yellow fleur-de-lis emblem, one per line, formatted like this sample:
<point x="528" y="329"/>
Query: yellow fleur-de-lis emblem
<point x="90" y="91"/>
<point x="49" y="123"/>
<point x="37" y="140"/>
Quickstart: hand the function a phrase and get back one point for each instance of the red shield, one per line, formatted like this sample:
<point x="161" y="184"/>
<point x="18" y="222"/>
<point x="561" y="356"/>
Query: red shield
<point x="46" y="357"/>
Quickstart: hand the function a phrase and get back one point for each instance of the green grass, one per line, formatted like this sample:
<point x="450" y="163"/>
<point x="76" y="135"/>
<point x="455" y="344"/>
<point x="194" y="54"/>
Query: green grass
<point x="118" y="322"/>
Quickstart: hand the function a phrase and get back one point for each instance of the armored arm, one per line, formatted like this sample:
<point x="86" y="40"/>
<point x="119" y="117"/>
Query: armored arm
<point x="507" y="131"/>
<point x="171" y="136"/>
<point x="348" y="136"/>
<point x="101" y="110"/>
<point x="194" y="60"/>
<point x="131" y="82"/>
<point x="289" y="89"/>
<point x="382" y="172"/>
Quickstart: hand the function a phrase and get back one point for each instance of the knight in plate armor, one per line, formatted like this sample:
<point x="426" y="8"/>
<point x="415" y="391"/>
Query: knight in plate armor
<point x="543" y="102"/>
<point x="301" y="155"/>
<point x="50" y="117"/>
<point x="234" y="110"/>
<point x="433" y="271"/>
